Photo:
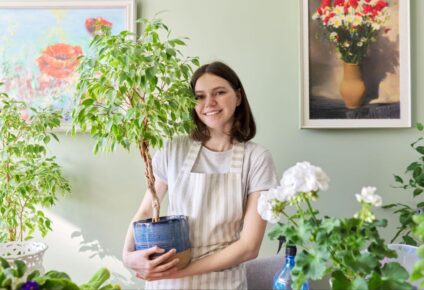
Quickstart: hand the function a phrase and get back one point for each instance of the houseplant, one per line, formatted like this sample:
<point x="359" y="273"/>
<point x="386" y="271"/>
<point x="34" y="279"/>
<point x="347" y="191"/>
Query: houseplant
<point x="30" y="178"/>
<point x="18" y="277"/>
<point x="352" y="25"/>
<point x="135" y="92"/>
<point x="348" y="249"/>
<point x="414" y="183"/>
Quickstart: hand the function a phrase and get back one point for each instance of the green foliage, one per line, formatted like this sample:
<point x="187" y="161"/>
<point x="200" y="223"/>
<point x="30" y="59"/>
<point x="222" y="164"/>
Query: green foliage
<point x="132" y="90"/>
<point x="350" y="250"/>
<point x="15" y="277"/>
<point x="418" y="269"/>
<point x="414" y="182"/>
<point x="29" y="177"/>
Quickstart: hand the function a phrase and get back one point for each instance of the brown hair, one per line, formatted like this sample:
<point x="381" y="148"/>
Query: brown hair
<point x="244" y="127"/>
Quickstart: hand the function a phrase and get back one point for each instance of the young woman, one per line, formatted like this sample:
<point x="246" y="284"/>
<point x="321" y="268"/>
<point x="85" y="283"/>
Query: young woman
<point x="214" y="177"/>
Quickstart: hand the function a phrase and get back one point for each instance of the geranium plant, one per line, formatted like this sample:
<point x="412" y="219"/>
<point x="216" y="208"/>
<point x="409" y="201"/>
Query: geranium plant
<point x="30" y="177"/>
<point x="415" y="184"/>
<point x="135" y="92"/>
<point x="349" y="249"/>
<point x="352" y="25"/>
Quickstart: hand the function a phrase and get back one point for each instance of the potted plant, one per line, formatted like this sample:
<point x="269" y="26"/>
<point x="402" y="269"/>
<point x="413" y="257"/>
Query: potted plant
<point x="18" y="276"/>
<point x="415" y="183"/>
<point x="30" y="178"/>
<point x="349" y="249"/>
<point x="135" y="92"/>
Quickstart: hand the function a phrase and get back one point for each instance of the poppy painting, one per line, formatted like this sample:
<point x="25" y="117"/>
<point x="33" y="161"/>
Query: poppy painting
<point x="41" y="43"/>
<point x="355" y="64"/>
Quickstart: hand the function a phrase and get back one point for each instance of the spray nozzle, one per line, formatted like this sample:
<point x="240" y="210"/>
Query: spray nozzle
<point x="281" y="241"/>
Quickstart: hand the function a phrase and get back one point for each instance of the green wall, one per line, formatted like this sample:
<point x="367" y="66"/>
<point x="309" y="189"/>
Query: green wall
<point x="260" y="40"/>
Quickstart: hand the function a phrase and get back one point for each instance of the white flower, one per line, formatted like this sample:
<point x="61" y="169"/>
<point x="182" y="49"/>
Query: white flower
<point x="368" y="196"/>
<point x="375" y="26"/>
<point x="333" y="36"/>
<point x="349" y="18"/>
<point x="316" y="16"/>
<point x="303" y="177"/>
<point x="336" y="21"/>
<point x="266" y="202"/>
<point x="357" y="20"/>
<point x="339" y="10"/>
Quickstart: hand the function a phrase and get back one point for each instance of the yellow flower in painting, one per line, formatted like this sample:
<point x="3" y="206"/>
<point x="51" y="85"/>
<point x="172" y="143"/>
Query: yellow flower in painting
<point x="339" y="10"/>
<point x="337" y="21"/>
<point x="349" y="18"/>
<point x="357" y="20"/>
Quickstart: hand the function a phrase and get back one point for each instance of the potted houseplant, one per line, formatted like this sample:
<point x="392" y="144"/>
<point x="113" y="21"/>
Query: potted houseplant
<point x="352" y="25"/>
<point x="30" y="178"/>
<point x="18" y="276"/>
<point x="415" y="183"/>
<point x="135" y="92"/>
<point x="349" y="249"/>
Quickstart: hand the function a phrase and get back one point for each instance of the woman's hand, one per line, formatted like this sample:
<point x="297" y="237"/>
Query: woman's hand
<point x="151" y="269"/>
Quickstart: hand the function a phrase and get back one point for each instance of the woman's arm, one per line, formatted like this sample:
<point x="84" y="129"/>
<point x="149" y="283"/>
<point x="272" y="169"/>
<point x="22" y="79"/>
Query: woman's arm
<point x="139" y="260"/>
<point x="246" y="248"/>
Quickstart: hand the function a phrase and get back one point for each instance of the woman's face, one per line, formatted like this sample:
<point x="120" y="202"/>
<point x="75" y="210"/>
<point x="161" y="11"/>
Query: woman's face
<point x="216" y="102"/>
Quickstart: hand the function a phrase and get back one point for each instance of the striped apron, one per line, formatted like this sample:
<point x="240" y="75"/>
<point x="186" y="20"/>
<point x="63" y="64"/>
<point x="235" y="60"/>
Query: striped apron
<point x="214" y="203"/>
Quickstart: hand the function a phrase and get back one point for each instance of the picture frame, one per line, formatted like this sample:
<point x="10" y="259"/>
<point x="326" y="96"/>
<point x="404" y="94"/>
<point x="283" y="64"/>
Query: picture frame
<point x="41" y="43"/>
<point x="383" y="66"/>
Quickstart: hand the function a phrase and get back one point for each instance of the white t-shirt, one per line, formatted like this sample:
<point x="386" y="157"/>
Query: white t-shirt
<point x="258" y="173"/>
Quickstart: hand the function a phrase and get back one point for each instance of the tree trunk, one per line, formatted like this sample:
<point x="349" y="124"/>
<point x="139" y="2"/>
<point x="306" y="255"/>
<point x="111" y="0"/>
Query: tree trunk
<point x="144" y="150"/>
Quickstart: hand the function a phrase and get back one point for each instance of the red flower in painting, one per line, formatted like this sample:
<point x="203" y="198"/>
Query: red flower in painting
<point x="323" y="6"/>
<point x="59" y="60"/>
<point x="94" y="24"/>
<point x="338" y="2"/>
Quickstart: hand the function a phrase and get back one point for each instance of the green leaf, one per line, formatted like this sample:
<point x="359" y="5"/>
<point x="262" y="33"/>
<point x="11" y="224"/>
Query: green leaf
<point x="359" y="284"/>
<point x="340" y="281"/>
<point x="275" y="232"/>
<point x="417" y="191"/>
<point x="394" y="271"/>
<point x="389" y="205"/>
<point x="398" y="179"/>
<point x="420" y="149"/>
<point x="20" y="268"/>
<point x="409" y="240"/>
<point x="419" y="126"/>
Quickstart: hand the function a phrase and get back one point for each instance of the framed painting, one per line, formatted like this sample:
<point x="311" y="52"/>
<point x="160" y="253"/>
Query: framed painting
<point x="41" y="43"/>
<point x="355" y="64"/>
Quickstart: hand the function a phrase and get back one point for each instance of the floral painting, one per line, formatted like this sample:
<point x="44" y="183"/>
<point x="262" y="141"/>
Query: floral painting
<point x="355" y="63"/>
<point x="40" y="47"/>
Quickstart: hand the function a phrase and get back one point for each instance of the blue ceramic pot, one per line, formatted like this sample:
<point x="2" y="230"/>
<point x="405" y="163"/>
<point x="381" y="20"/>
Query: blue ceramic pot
<point x="171" y="232"/>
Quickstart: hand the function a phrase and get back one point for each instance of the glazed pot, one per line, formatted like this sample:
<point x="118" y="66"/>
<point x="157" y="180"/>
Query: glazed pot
<point x="171" y="232"/>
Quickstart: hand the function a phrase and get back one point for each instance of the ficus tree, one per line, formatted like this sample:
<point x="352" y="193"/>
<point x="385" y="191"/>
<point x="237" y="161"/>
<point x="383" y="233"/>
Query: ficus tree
<point x="30" y="177"/>
<point x="134" y="91"/>
<point x="412" y="181"/>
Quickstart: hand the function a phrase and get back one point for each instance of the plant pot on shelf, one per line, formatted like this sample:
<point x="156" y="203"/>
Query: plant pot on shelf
<point x="171" y="232"/>
<point x="352" y="87"/>
<point x="29" y="252"/>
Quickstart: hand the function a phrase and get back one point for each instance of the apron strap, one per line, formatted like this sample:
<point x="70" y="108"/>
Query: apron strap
<point x="237" y="158"/>
<point x="191" y="156"/>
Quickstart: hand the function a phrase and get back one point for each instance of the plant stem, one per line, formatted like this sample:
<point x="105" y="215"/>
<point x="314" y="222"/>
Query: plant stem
<point x="312" y="212"/>
<point x="290" y="218"/>
<point x="144" y="150"/>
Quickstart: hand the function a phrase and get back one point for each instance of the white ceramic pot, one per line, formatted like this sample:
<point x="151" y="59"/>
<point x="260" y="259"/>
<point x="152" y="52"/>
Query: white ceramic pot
<point x="29" y="252"/>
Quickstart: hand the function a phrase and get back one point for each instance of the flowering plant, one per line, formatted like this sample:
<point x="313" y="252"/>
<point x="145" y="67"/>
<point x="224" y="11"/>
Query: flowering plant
<point x="349" y="249"/>
<point x="352" y="25"/>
